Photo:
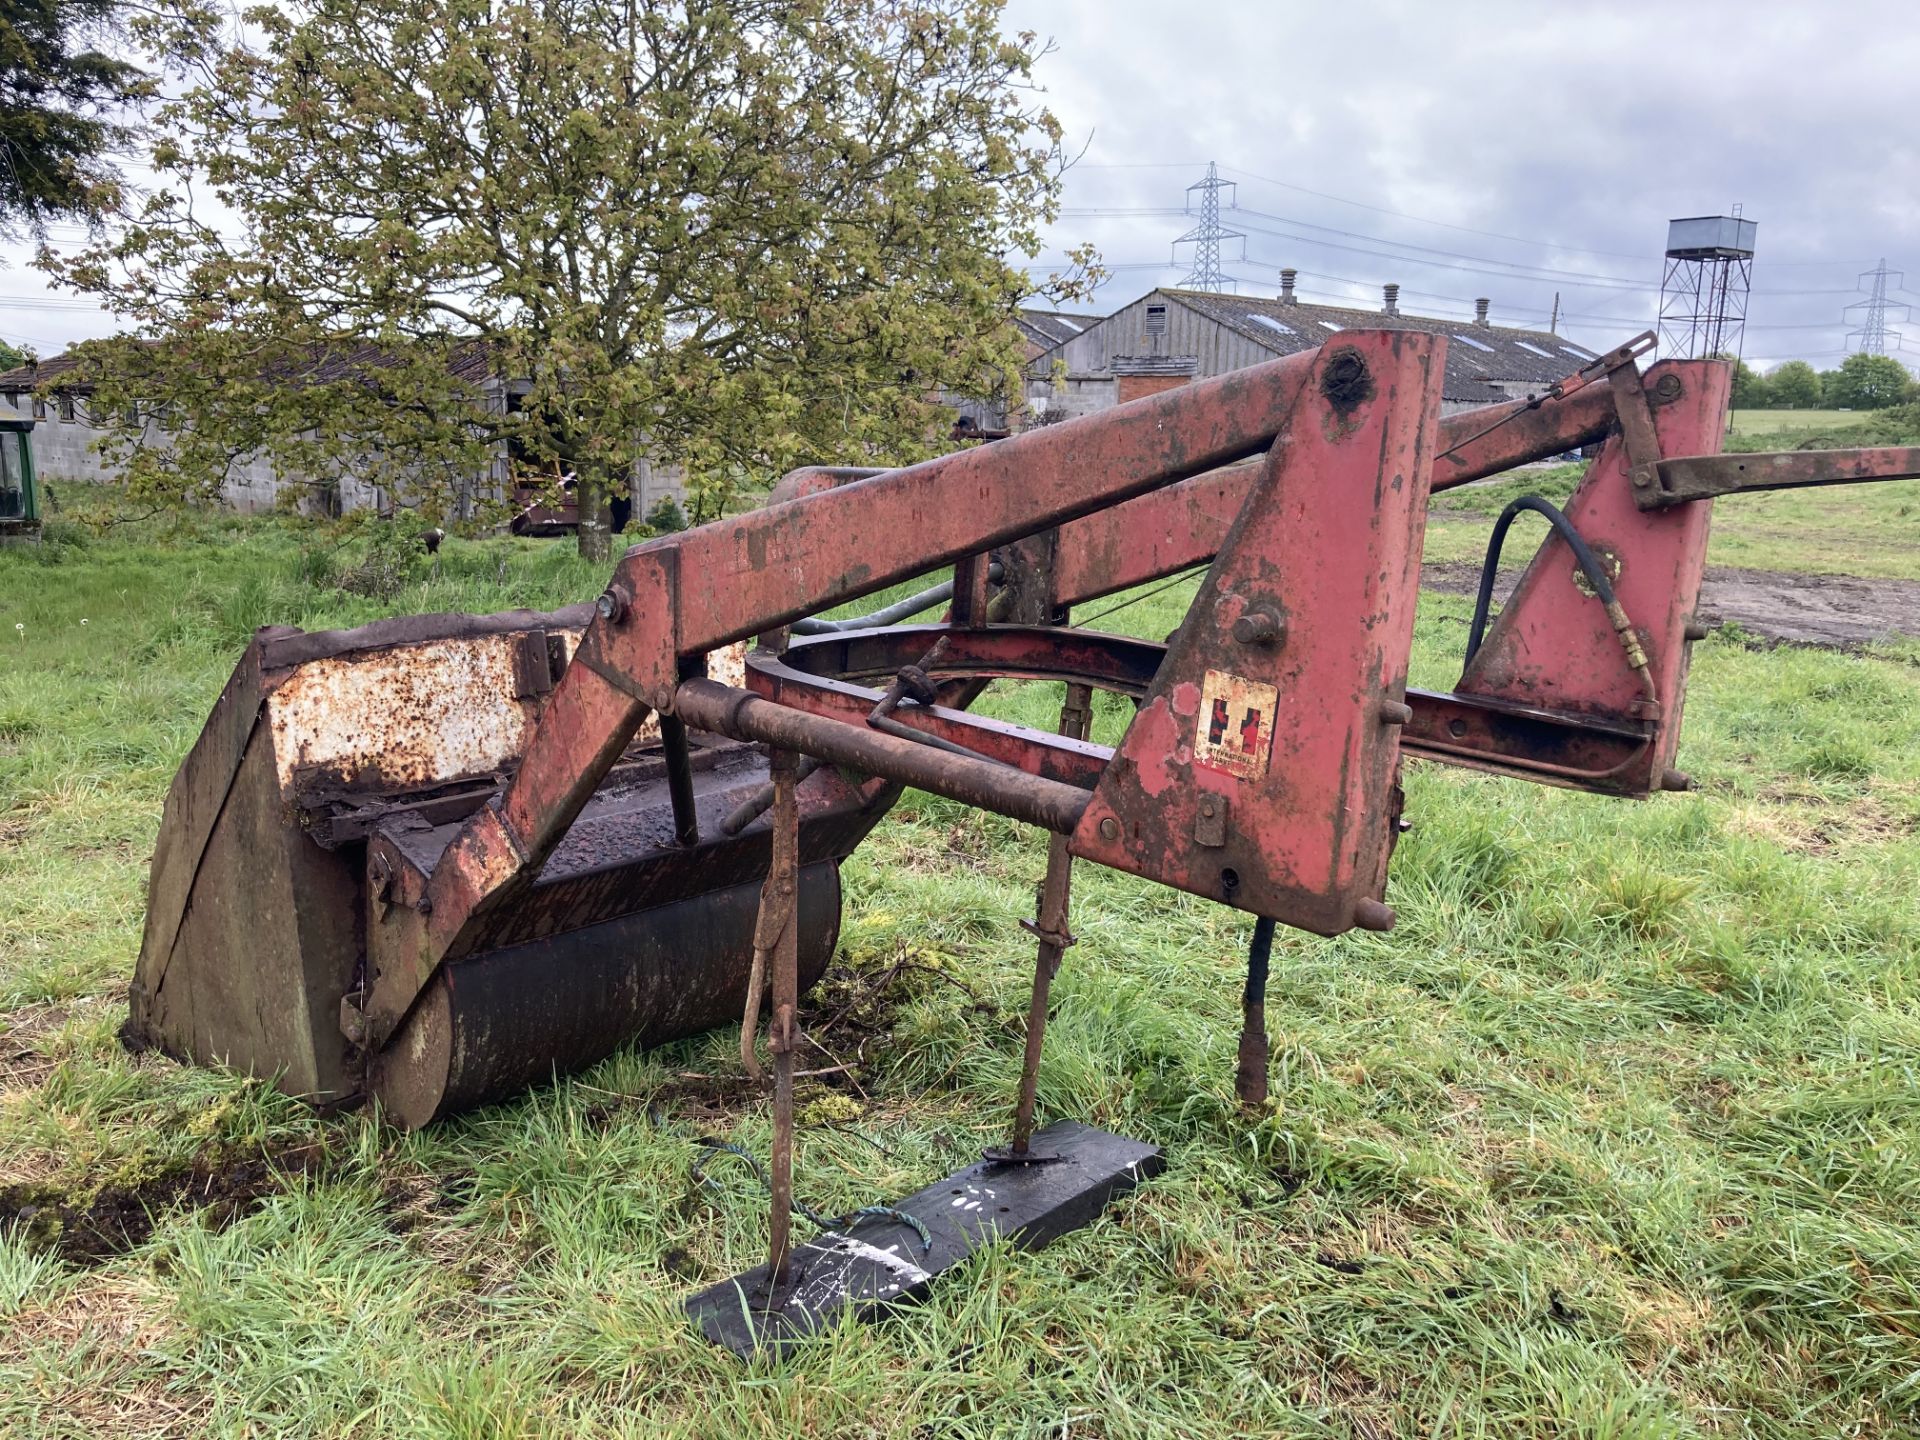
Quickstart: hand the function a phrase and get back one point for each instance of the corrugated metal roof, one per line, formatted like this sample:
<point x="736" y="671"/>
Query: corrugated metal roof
<point x="26" y="377"/>
<point x="1478" y="355"/>
<point x="1045" y="329"/>
<point x="471" y="360"/>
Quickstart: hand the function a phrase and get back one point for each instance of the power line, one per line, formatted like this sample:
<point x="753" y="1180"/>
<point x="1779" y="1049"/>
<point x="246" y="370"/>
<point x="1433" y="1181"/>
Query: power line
<point x="1565" y="278"/>
<point x="11" y="303"/>
<point x="1544" y="271"/>
<point x="1205" y="237"/>
<point x="1509" y="268"/>
<point x="1521" y="269"/>
<point x="1873" y="333"/>
<point x="1424" y="220"/>
<point x="1587" y="318"/>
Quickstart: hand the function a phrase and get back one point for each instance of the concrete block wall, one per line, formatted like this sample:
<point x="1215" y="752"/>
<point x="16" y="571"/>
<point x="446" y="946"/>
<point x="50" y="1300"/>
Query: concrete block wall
<point x="63" y="449"/>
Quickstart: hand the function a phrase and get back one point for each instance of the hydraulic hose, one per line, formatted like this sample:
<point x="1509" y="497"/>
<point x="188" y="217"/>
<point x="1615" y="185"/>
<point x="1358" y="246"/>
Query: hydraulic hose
<point x="1590" y="564"/>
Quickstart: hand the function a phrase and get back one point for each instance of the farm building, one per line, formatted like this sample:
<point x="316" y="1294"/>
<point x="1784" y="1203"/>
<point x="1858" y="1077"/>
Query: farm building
<point x="1168" y="337"/>
<point x="1045" y="329"/>
<point x="1041" y="331"/>
<point x="66" y="429"/>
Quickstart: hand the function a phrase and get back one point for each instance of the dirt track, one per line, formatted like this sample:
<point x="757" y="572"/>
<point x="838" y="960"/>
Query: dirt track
<point x="1836" y="610"/>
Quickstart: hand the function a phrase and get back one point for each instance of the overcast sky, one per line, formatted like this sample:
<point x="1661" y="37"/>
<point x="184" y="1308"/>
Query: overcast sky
<point x="1465" y="149"/>
<point x="1577" y="129"/>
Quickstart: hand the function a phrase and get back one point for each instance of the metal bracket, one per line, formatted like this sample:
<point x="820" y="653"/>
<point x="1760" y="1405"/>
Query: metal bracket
<point x="1277" y="721"/>
<point x="1636" y="427"/>
<point x="1210" y="822"/>
<point x="1701" y="477"/>
<point x="1621" y="357"/>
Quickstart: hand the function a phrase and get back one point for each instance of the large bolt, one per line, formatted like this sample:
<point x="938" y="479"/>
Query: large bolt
<point x="1259" y="627"/>
<point x="1697" y="629"/>
<point x="1109" y="829"/>
<point x="1675" y="780"/>
<point x="613" y="603"/>
<point x="1392" y="712"/>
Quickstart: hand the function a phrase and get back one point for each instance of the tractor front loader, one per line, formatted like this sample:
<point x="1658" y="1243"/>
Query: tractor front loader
<point x="432" y="860"/>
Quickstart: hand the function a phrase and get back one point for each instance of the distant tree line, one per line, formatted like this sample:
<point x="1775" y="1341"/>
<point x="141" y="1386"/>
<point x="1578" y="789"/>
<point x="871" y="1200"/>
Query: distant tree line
<point x="1862" y="382"/>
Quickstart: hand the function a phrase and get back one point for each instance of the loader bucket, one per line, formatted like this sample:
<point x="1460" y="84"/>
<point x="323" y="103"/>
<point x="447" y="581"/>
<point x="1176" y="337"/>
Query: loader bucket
<point x="328" y="752"/>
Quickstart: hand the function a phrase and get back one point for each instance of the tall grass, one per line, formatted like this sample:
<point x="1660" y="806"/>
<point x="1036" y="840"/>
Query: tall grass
<point x="1615" y="1135"/>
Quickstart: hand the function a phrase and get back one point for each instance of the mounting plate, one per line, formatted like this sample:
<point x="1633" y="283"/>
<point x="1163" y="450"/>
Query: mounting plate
<point x="882" y="1264"/>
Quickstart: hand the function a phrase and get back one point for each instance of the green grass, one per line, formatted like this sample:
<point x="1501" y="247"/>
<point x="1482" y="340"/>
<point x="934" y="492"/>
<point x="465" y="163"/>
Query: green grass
<point x="1773" y="422"/>
<point x="1866" y="530"/>
<point x="1617" y="1134"/>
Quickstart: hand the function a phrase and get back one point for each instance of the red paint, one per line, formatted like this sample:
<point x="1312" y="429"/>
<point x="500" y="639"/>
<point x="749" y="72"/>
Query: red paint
<point x="1552" y="646"/>
<point x="1324" y="530"/>
<point x="1329" y="536"/>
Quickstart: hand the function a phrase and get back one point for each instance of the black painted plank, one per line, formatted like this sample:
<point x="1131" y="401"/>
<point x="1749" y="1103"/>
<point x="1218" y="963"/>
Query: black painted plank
<point x="880" y="1264"/>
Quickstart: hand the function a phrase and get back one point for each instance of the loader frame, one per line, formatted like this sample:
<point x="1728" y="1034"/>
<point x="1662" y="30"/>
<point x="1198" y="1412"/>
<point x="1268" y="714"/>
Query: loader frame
<point x="1261" y="767"/>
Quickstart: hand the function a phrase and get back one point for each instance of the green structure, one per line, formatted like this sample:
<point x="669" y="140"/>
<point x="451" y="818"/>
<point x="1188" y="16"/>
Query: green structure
<point x="19" y="492"/>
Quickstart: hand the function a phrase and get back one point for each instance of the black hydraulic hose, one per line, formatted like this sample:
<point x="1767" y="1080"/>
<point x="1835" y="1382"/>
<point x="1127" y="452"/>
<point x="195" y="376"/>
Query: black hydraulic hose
<point x="1250" y="1078"/>
<point x="1259" y="957"/>
<point x="1596" y="572"/>
<point x="891" y="615"/>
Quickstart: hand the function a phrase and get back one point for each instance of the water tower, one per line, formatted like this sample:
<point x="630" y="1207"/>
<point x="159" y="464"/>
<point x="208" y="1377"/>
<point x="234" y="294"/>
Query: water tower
<point x="1703" y="295"/>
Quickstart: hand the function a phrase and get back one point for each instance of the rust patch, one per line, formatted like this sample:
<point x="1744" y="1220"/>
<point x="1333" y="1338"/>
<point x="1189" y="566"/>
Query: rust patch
<point x="1346" y="381"/>
<point x="405" y="717"/>
<point x="428" y="713"/>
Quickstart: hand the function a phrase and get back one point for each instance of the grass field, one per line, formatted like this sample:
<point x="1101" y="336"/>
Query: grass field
<point x="1768" y="422"/>
<point x="1616" y="1135"/>
<point x="1867" y="530"/>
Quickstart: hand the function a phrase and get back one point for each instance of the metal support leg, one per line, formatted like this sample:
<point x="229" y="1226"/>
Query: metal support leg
<point x="673" y="738"/>
<point x="1050" y="927"/>
<point x="1250" y="1084"/>
<point x="782" y="889"/>
<point x="970" y="590"/>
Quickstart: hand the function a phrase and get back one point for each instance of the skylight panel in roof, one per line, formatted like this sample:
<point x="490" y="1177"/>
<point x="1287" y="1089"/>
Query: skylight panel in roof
<point x="1269" y="322"/>
<point x="1073" y="325"/>
<point x="1578" y="353"/>
<point x="1476" y="344"/>
<point x="1328" y="324"/>
<point x="1534" y="350"/>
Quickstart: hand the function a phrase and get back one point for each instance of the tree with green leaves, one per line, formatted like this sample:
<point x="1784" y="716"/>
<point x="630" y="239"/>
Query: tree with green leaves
<point x="732" y="235"/>
<point x="1794" y="385"/>
<point x="63" y="103"/>
<point x="1750" y="390"/>
<point x="1868" y="382"/>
